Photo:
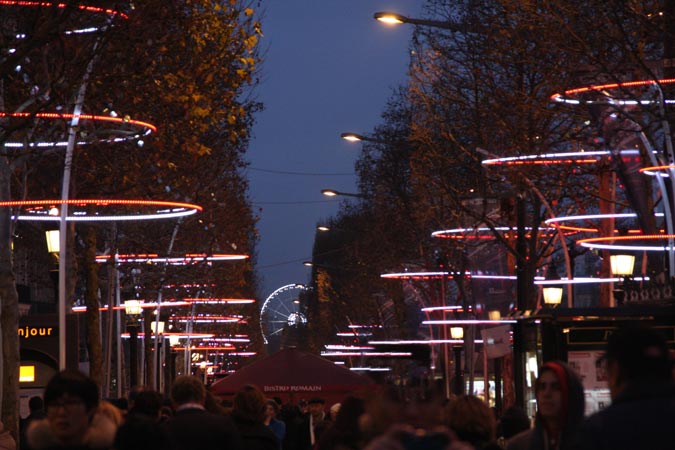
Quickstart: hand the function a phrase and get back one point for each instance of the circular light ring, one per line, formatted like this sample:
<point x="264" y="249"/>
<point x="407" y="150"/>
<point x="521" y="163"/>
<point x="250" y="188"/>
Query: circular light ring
<point x="422" y="341"/>
<point x="607" y="243"/>
<point x="63" y="5"/>
<point x="167" y="304"/>
<point x="209" y="319"/>
<point x="137" y="128"/>
<point x="467" y="322"/>
<point x="482" y="232"/>
<point x="582" y="157"/>
<point x="181" y="335"/>
<point x="570" y="96"/>
<point x="453" y="308"/>
<point x="450" y="275"/>
<point x="42" y="210"/>
<point x="658" y="171"/>
<point x="189" y="258"/>
<point x="584" y="280"/>
<point x="220" y="301"/>
<point x="590" y="217"/>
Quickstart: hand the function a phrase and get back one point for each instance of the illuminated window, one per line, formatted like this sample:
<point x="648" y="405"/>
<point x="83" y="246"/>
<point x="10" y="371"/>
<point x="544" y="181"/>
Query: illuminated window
<point x="26" y="374"/>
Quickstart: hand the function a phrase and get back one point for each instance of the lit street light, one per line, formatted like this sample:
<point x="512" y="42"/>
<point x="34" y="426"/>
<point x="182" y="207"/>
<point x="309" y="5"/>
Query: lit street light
<point x="392" y="18"/>
<point x="334" y="193"/>
<point x="352" y="137"/>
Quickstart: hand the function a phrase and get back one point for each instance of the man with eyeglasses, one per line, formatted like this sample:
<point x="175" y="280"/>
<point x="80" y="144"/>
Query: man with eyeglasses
<point x="640" y="378"/>
<point x="72" y="422"/>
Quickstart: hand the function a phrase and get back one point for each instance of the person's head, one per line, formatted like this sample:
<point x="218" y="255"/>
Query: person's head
<point x="111" y="411"/>
<point x="472" y="420"/>
<point x="315" y="407"/>
<point x="333" y="410"/>
<point x="249" y="404"/>
<point x="71" y="399"/>
<point x="271" y="409"/>
<point x="560" y="395"/>
<point x="513" y="420"/>
<point x="147" y="403"/>
<point x="36" y="404"/>
<point x="188" y="389"/>
<point x="350" y="411"/>
<point x="636" y="354"/>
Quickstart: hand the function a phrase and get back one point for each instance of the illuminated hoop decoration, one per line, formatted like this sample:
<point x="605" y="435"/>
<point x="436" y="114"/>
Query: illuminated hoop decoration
<point x="591" y="217"/>
<point x="658" y="171"/>
<point x="481" y="232"/>
<point x="220" y="301"/>
<point x="180" y="335"/>
<point x="450" y="275"/>
<point x="604" y="242"/>
<point x="88" y="210"/>
<point x="63" y="5"/>
<point x="208" y="319"/>
<point x="136" y="129"/>
<point x="107" y="12"/>
<point x="153" y="305"/>
<point x="570" y="96"/>
<point x="581" y="157"/>
<point x="189" y="258"/>
<point x="584" y="280"/>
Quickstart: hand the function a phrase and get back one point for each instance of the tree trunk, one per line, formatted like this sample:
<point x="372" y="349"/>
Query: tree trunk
<point x="9" y="313"/>
<point x="93" y="320"/>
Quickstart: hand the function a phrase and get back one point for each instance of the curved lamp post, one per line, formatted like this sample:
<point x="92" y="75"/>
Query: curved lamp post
<point x="393" y="18"/>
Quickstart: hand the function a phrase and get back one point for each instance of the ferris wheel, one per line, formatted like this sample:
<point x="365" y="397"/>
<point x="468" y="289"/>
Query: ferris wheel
<point x="281" y="309"/>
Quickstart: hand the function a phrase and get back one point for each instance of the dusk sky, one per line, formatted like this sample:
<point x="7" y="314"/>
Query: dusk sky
<point x="328" y="68"/>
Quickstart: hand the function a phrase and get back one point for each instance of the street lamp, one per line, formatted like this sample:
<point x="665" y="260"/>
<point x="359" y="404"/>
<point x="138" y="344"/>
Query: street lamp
<point x="552" y="294"/>
<point x="133" y="309"/>
<point x="355" y="137"/>
<point x="334" y="193"/>
<point x="621" y="266"/>
<point x="53" y="244"/>
<point x="458" y="333"/>
<point x="352" y="137"/>
<point x="392" y="18"/>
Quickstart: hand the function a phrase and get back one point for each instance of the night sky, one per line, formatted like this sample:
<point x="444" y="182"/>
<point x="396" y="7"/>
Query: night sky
<point x="328" y="68"/>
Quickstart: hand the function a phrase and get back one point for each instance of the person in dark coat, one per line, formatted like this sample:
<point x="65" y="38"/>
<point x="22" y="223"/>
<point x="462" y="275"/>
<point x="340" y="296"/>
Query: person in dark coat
<point x="141" y="430"/>
<point x="73" y="420"/>
<point x="345" y="432"/>
<point x="640" y="377"/>
<point x="560" y="410"/>
<point x="248" y="413"/>
<point x="473" y="422"/>
<point x="36" y="406"/>
<point x="192" y="427"/>
<point x="306" y="429"/>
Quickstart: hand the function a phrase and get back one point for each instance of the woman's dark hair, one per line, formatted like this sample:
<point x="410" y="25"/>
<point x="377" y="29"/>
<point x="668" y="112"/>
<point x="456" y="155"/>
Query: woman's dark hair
<point x="73" y="383"/>
<point x="249" y="404"/>
<point x="147" y="403"/>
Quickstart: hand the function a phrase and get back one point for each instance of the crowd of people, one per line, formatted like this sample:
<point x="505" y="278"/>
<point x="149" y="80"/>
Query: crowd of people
<point x="70" y="414"/>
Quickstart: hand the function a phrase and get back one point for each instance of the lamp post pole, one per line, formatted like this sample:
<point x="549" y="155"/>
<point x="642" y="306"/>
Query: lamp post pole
<point x="133" y="309"/>
<point x="133" y="354"/>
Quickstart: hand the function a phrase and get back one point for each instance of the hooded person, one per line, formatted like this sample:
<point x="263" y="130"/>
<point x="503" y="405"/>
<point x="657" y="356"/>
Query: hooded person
<point x="640" y="380"/>
<point x="73" y="419"/>
<point x="560" y="410"/>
